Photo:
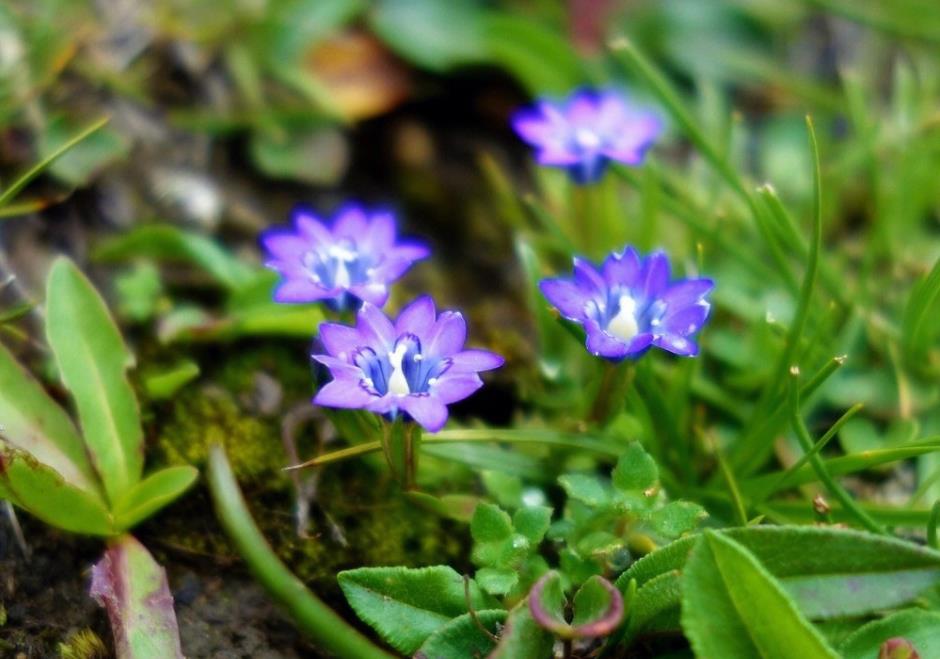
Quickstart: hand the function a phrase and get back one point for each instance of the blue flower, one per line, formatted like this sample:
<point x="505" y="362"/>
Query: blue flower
<point x="586" y="131"/>
<point x="416" y="365"/>
<point x="629" y="304"/>
<point x="357" y="257"/>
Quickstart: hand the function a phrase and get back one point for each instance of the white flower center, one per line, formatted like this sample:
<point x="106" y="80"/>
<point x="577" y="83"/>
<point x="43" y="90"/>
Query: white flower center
<point x="624" y="325"/>
<point x="342" y="255"/>
<point x="587" y="138"/>
<point x="397" y="383"/>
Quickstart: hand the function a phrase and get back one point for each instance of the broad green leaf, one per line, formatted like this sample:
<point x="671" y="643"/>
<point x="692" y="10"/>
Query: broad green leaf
<point x="314" y="155"/>
<point x="522" y="637"/>
<point x="733" y="607"/>
<point x="677" y="518"/>
<point x="532" y="522"/>
<point x="829" y="572"/>
<point x="506" y="489"/>
<point x="462" y="637"/>
<point x="42" y="492"/>
<point x="635" y="471"/>
<point x="434" y="35"/>
<point x="586" y="488"/>
<point x="597" y="606"/>
<point x="33" y="423"/>
<point x="291" y="27"/>
<point x="404" y="605"/>
<point x="134" y="590"/>
<point x="654" y="605"/>
<point x="490" y="524"/>
<point x="84" y="159"/>
<point x="169" y="243"/>
<point x="92" y="361"/>
<point x="152" y="493"/>
<point x="921" y="628"/>
<point x="497" y="581"/>
<point x="139" y="292"/>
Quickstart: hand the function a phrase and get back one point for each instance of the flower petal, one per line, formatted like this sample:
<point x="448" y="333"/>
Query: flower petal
<point x="375" y="327"/>
<point x="587" y="277"/>
<point x="622" y="268"/>
<point x="686" y="292"/>
<point x="601" y="344"/>
<point x="448" y="334"/>
<point x="472" y="361"/>
<point x="343" y="392"/>
<point x="374" y="293"/>
<point x="338" y="366"/>
<point x="565" y="296"/>
<point x="300" y="290"/>
<point x="417" y="318"/>
<point x="451" y="388"/>
<point x="427" y="410"/>
<point x="654" y="275"/>
<point x="339" y="340"/>
<point x="282" y="245"/>
<point x="351" y="223"/>
<point x="311" y="227"/>
<point x="685" y="321"/>
<point x="678" y="345"/>
<point x="381" y="233"/>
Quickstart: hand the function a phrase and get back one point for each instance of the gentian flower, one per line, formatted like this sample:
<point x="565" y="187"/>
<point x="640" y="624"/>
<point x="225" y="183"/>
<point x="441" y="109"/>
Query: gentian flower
<point x="416" y="365"/>
<point x="357" y="257"/>
<point x="586" y="131"/>
<point x="629" y="304"/>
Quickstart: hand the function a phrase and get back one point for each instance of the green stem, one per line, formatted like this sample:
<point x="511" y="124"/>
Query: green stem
<point x="460" y="435"/>
<point x="400" y="442"/>
<point x="313" y="617"/>
<point x="806" y="442"/>
<point x="611" y="394"/>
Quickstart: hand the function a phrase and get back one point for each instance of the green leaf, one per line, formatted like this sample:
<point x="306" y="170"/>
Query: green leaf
<point x="133" y="588"/>
<point x="490" y="523"/>
<point x="461" y="637"/>
<point x="84" y="159"/>
<point x="522" y="637"/>
<point x="636" y="470"/>
<point x="315" y="155"/>
<point x="169" y="243"/>
<point x="586" y="488"/>
<point x="431" y="34"/>
<point x="532" y="522"/>
<point x="165" y="383"/>
<point x="506" y="489"/>
<point x="405" y="605"/>
<point x="497" y="581"/>
<point x="291" y="27"/>
<point x="733" y="607"/>
<point x="138" y="292"/>
<point x="596" y="605"/>
<point x="537" y="56"/>
<point x="829" y="572"/>
<point x="42" y="492"/>
<point x="152" y="493"/>
<point x="677" y="518"/>
<point x="921" y="628"/>
<point x="33" y="423"/>
<point x="654" y="605"/>
<point x="92" y="361"/>
<point x="919" y="326"/>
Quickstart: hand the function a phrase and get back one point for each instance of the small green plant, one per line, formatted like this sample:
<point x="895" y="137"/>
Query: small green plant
<point x="91" y="481"/>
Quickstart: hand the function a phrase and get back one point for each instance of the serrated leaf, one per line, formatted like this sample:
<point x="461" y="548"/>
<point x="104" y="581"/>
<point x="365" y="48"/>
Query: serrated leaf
<point x="461" y="637"/>
<point x="921" y="628"/>
<point x="733" y="607"/>
<point x="532" y="522"/>
<point x="92" y="361"/>
<point x="33" y="423"/>
<point x="134" y="590"/>
<point x="490" y="523"/>
<point x="42" y="492"/>
<point x="165" y="242"/>
<point x="496" y="581"/>
<point x="406" y="605"/>
<point x="522" y="637"/>
<point x="153" y="493"/>
<point x="635" y="471"/>
<point x="586" y="488"/>
<point x="677" y="518"/>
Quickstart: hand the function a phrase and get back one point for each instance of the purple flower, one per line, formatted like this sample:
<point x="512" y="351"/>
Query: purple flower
<point x="415" y="365"/>
<point x="586" y="131"/>
<point x="629" y="304"/>
<point x="357" y="257"/>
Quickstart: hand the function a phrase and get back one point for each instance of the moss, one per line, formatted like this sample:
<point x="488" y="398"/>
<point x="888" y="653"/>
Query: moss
<point x="83" y="644"/>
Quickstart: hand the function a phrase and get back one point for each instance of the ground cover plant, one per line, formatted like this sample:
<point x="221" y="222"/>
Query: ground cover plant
<point x="470" y="329"/>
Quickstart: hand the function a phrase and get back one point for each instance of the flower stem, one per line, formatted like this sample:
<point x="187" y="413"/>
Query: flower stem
<point x="312" y="616"/>
<point x="400" y="441"/>
<point x="615" y="380"/>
